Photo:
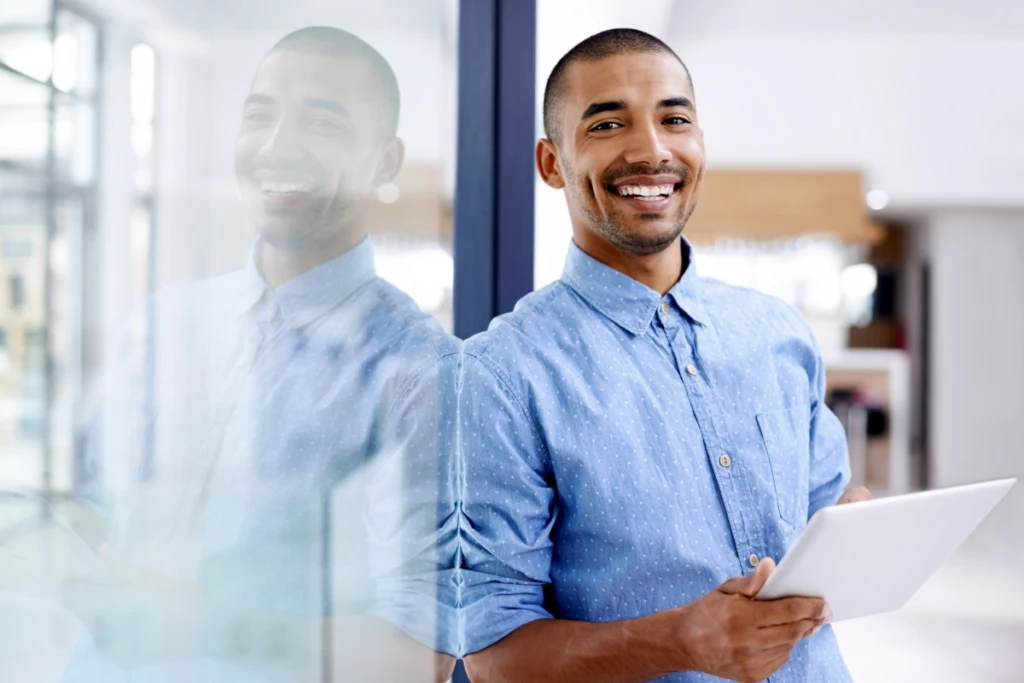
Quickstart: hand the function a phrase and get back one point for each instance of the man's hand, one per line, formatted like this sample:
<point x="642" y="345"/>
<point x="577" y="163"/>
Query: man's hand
<point x="725" y="633"/>
<point x="854" y="494"/>
<point x="728" y="634"/>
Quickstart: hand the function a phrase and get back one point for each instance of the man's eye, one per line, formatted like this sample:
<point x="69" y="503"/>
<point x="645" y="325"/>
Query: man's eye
<point x="257" y="117"/>
<point x="677" y="120"/>
<point x="324" y="124"/>
<point x="607" y="125"/>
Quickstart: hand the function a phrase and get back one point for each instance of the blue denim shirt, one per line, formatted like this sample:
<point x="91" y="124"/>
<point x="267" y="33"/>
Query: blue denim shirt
<point x="258" y="428"/>
<point x="626" y="452"/>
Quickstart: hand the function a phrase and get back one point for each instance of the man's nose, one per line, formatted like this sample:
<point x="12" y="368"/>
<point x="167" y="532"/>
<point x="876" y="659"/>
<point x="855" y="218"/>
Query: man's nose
<point x="284" y="141"/>
<point x="647" y="146"/>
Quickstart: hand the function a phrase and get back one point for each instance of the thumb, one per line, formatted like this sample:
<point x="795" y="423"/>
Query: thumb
<point x="751" y="584"/>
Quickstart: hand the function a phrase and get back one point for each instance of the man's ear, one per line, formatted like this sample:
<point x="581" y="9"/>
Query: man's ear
<point x="392" y="156"/>
<point x="547" y="164"/>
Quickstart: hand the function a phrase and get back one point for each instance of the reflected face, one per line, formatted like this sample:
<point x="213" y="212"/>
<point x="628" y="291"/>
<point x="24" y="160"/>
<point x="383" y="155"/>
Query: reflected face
<point x="632" y="153"/>
<point x="308" y="150"/>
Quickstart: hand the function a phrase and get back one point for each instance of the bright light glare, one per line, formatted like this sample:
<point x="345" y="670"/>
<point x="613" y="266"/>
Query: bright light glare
<point x="859" y="280"/>
<point x="143" y="82"/>
<point x="877" y="200"/>
<point x="388" y="193"/>
<point x="65" y="62"/>
<point x="423" y="272"/>
<point x="859" y="283"/>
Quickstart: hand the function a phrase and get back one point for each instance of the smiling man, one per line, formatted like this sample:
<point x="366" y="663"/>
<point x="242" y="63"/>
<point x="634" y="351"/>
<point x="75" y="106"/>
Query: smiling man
<point x="273" y="454"/>
<point x="639" y="442"/>
<point x="318" y="136"/>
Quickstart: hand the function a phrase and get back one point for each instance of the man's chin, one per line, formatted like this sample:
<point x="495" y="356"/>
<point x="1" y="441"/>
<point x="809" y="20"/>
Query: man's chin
<point x="286" y="235"/>
<point x="647" y="238"/>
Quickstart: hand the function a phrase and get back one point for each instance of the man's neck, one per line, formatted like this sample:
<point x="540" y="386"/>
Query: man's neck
<point x="278" y="265"/>
<point x="659" y="271"/>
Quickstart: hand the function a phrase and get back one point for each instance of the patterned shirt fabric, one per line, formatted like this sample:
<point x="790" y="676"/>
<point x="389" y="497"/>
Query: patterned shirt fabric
<point x="625" y="453"/>
<point x="287" y="431"/>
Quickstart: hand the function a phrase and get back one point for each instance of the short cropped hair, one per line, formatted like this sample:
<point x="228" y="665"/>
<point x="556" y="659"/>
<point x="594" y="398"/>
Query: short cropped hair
<point x="616" y="41"/>
<point x="335" y="42"/>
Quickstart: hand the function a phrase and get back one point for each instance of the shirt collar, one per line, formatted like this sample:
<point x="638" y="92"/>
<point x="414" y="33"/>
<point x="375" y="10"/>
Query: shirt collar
<point x="627" y="302"/>
<point x="686" y="292"/>
<point x="305" y="298"/>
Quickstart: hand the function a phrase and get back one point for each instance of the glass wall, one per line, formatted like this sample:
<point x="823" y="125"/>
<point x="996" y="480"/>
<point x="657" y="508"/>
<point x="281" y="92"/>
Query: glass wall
<point x="225" y="279"/>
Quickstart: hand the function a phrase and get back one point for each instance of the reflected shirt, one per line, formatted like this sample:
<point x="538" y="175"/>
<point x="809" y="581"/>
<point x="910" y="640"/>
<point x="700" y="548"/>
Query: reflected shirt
<point x="284" y="424"/>
<point x="626" y="453"/>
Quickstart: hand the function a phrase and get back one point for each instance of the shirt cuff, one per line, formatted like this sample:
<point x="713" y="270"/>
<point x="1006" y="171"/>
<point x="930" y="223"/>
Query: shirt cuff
<point x="499" y="610"/>
<point x="424" y="610"/>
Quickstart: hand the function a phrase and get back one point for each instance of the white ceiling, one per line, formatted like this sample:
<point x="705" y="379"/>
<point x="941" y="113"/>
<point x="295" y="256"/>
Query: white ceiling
<point x="700" y="18"/>
<point x="355" y="15"/>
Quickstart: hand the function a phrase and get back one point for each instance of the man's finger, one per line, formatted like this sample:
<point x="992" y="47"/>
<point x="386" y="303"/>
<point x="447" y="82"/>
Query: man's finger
<point x="790" y="610"/>
<point x="787" y="634"/>
<point x="855" y="494"/>
<point x="751" y="584"/>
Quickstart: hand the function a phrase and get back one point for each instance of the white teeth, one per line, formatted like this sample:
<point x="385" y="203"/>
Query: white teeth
<point x="646" y="191"/>
<point x="280" y="187"/>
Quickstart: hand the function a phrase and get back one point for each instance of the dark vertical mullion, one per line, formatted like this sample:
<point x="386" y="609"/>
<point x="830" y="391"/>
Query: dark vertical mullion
<point x="494" y="168"/>
<point x="475" y="182"/>
<point x="517" y="59"/>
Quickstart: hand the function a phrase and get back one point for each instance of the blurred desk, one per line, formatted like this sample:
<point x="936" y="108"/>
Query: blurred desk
<point x="881" y="463"/>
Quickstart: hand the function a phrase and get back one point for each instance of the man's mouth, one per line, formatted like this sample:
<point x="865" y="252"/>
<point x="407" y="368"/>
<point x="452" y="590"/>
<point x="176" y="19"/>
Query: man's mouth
<point x="649" y="193"/>
<point x="284" y="188"/>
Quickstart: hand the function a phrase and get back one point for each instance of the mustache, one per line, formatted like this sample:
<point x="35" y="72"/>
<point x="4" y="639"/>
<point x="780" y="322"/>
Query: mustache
<point x="633" y="170"/>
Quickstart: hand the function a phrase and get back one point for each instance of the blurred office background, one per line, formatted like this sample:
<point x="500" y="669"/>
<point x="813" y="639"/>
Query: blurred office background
<point x="866" y="164"/>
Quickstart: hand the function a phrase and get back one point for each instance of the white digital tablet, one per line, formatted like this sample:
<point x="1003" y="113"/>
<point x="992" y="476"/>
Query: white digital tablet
<point x="871" y="557"/>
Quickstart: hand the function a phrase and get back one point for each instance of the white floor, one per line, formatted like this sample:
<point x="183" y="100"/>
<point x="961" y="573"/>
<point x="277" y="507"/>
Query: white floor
<point x="966" y="625"/>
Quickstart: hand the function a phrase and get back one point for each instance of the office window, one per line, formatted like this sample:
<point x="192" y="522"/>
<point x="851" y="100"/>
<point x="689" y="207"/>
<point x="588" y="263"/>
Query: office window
<point x="48" y="161"/>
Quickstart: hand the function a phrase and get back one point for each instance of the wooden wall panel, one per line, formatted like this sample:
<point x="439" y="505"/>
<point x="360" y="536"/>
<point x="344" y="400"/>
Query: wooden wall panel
<point x="771" y="204"/>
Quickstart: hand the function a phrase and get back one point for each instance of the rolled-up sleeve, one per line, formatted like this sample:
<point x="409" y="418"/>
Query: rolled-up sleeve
<point x="830" y="458"/>
<point x="507" y="512"/>
<point x="411" y="508"/>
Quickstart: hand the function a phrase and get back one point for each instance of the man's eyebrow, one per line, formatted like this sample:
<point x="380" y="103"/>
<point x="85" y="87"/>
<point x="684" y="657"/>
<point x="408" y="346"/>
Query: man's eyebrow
<point x="257" y="98"/>
<point x="600" y="107"/>
<point x="677" y="101"/>
<point x="330" y="105"/>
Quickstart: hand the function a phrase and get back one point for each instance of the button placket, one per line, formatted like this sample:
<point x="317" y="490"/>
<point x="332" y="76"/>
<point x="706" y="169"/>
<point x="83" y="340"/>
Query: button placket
<point x="705" y="406"/>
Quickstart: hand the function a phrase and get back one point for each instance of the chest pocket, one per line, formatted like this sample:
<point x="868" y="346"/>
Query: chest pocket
<point x="786" y="435"/>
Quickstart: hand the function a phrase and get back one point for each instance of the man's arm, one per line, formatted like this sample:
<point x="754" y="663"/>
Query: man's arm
<point x="725" y="633"/>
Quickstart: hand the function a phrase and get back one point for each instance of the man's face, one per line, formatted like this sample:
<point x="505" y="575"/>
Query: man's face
<point x="631" y="157"/>
<point x="308" y="152"/>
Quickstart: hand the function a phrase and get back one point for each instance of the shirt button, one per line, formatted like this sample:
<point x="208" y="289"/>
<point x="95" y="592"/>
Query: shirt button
<point x="204" y="450"/>
<point x="725" y="460"/>
<point x="664" y="308"/>
<point x="691" y="370"/>
<point x="754" y="560"/>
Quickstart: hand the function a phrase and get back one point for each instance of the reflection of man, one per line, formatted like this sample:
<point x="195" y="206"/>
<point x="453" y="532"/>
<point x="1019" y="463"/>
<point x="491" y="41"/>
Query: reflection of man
<point x="293" y="403"/>
<point x="634" y="435"/>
